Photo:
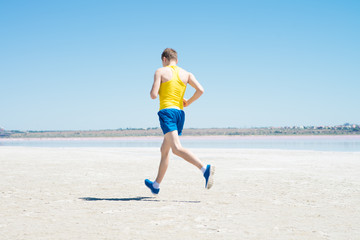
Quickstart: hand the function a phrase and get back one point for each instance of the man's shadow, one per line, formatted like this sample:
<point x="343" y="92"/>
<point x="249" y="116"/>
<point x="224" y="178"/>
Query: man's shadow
<point x="138" y="199"/>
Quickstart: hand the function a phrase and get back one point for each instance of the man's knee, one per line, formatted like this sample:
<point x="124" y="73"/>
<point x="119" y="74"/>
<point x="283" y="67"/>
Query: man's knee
<point x="164" y="149"/>
<point x="177" y="150"/>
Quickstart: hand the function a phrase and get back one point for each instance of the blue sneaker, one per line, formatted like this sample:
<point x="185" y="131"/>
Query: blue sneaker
<point x="149" y="184"/>
<point x="209" y="176"/>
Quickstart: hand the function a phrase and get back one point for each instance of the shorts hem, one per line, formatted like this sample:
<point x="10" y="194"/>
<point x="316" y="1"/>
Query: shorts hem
<point x="165" y="132"/>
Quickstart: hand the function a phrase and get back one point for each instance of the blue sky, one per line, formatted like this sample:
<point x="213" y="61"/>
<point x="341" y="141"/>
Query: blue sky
<point x="68" y="65"/>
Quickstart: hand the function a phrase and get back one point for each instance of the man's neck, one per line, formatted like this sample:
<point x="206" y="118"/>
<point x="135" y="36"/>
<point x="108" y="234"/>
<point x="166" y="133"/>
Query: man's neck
<point x="172" y="63"/>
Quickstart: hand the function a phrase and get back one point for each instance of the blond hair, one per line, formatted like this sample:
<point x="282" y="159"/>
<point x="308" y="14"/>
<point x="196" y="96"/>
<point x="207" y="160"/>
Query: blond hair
<point x="169" y="54"/>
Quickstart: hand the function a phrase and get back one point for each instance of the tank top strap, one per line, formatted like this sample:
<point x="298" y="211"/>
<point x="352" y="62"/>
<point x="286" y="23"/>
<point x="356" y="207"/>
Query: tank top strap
<point x="174" y="68"/>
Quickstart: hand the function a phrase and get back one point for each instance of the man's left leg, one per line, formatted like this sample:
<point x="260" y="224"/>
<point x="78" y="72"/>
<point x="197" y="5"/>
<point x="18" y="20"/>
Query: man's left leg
<point x="164" y="162"/>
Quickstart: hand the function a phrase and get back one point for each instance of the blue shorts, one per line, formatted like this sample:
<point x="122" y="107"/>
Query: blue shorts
<point x="171" y="119"/>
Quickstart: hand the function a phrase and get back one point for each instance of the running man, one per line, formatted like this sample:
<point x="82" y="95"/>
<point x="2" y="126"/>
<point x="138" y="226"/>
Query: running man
<point x="170" y="84"/>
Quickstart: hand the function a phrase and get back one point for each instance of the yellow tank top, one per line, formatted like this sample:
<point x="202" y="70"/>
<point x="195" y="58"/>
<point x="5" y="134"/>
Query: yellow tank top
<point x="172" y="92"/>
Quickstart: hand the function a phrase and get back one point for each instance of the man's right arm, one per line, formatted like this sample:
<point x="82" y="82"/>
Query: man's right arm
<point x="199" y="90"/>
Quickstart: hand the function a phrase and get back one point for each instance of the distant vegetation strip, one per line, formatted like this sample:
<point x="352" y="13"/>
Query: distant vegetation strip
<point x="285" y="131"/>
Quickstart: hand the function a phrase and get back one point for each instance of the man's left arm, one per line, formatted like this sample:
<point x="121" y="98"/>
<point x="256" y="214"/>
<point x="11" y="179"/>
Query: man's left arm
<point x="156" y="85"/>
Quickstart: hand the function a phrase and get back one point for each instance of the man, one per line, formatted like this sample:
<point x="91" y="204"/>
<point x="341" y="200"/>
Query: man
<point x="170" y="84"/>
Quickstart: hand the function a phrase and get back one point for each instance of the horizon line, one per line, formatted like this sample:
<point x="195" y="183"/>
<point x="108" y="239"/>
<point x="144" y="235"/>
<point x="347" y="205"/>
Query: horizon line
<point x="155" y="128"/>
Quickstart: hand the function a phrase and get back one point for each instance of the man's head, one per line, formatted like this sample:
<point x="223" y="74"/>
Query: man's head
<point x="169" y="55"/>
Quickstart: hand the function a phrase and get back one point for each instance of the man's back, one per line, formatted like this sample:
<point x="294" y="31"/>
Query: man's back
<point x="166" y="74"/>
<point x="172" y="90"/>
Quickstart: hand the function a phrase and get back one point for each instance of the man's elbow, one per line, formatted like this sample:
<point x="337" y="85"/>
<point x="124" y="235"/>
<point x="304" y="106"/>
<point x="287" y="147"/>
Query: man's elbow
<point x="153" y="96"/>
<point x="201" y="91"/>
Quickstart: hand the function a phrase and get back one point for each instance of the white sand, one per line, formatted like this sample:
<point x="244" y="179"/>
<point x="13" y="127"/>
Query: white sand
<point x="98" y="193"/>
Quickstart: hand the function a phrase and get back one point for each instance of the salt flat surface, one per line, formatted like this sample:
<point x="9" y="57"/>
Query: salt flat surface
<point x="98" y="193"/>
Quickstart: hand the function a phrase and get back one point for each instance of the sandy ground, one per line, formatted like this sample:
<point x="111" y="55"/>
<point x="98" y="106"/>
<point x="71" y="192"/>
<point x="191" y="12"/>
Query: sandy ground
<point x="98" y="193"/>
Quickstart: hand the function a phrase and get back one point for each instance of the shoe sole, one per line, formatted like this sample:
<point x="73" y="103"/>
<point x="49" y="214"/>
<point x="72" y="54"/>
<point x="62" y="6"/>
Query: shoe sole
<point x="211" y="178"/>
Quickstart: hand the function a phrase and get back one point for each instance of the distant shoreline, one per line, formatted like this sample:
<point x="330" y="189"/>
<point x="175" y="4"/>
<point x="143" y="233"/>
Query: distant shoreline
<point x="190" y="132"/>
<point x="333" y="143"/>
<point x="204" y="137"/>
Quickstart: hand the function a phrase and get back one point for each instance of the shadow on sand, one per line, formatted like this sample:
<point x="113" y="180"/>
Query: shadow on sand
<point x="145" y="199"/>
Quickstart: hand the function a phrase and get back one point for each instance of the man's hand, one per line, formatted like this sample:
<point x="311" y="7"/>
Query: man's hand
<point x="199" y="90"/>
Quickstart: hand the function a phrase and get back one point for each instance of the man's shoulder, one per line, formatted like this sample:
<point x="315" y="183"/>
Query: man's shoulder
<point x="161" y="70"/>
<point x="183" y="70"/>
<point x="167" y="70"/>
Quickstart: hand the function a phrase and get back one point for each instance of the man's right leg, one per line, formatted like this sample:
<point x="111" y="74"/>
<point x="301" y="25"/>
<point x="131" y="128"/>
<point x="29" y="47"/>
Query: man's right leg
<point x="173" y="139"/>
<point x="208" y="170"/>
